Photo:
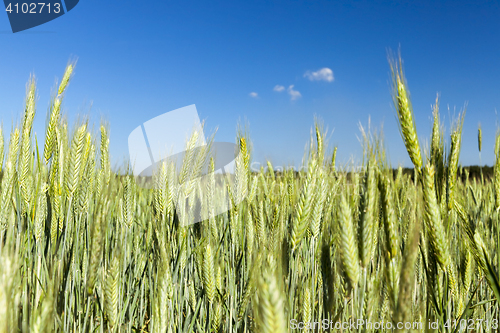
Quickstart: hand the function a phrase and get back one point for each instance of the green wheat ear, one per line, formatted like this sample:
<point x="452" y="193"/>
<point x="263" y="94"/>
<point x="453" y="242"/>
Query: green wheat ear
<point x="348" y="246"/>
<point x="8" y="178"/>
<point x="334" y="159"/>
<point x="367" y="221"/>
<point x="390" y="221"/>
<point x="66" y="77"/>
<point x="76" y="160"/>
<point x="317" y="212"/>
<point x="50" y="136"/>
<point x="436" y="138"/>
<point x="242" y="171"/>
<point x="111" y="291"/>
<point x="41" y="212"/>
<point x="25" y="158"/>
<point x="433" y="222"/>
<point x="479" y="137"/>
<point x="305" y="205"/>
<point x="404" y="111"/>
<point x="209" y="273"/>
<point x="320" y="142"/>
<point x="271" y="317"/>
<point x="105" y="163"/>
<point x="456" y="142"/>
<point x="95" y="250"/>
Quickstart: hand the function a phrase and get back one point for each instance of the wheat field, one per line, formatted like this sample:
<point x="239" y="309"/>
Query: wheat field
<point x="83" y="249"/>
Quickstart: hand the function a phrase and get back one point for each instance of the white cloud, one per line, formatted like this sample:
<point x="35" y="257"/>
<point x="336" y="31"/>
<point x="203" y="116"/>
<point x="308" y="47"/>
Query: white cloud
<point x="294" y="94"/>
<point x="279" y="88"/>
<point x="253" y="94"/>
<point x="324" y="74"/>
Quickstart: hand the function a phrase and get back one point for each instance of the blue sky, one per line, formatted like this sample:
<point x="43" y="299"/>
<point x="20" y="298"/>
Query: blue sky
<point x="137" y="60"/>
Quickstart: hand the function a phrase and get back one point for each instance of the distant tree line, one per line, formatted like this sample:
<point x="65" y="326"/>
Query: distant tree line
<point x="473" y="172"/>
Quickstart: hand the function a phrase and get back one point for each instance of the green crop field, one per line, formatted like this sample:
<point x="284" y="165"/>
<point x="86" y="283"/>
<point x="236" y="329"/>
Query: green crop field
<point x="83" y="249"/>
